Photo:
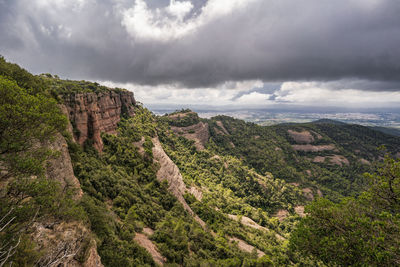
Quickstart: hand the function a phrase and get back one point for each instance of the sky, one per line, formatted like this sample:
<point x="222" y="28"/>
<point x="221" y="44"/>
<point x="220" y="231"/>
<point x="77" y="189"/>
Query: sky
<point x="216" y="53"/>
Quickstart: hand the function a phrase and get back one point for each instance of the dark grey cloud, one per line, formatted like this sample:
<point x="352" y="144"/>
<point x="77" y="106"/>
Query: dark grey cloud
<point x="271" y="40"/>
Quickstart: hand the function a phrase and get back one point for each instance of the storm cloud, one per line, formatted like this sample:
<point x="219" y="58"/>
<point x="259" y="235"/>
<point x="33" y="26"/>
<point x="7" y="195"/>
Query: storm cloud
<point x="199" y="43"/>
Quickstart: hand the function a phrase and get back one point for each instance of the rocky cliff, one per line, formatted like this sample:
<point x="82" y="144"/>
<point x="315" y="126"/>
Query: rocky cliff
<point x="93" y="113"/>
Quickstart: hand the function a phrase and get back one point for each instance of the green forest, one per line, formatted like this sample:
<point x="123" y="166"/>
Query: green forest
<point x="313" y="194"/>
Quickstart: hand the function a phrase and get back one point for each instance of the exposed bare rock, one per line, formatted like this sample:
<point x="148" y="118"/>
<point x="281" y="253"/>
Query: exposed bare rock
<point x="364" y="161"/>
<point x="216" y="157"/>
<point x="308" y="193"/>
<point x="312" y="148"/>
<point x="244" y="246"/>
<point x="148" y="231"/>
<point x="170" y="172"/>
<point x="248" y="222"/>
<point x="232" y="144"/>
<point x="339" y="160"/>
<point x="319" y="137"/>
<point x="334" y="159"/>
<point x="91" y="113"/>
<point x="63" y="243"/>
<point x="218" y="131"/>
<point x="70" y="129"/>
<point x="199" y="133"/>
<point x="300" y="211"/>
<point x="319" y="159"/>
<point x="93" y="259"/>
<point x="281" y="215"/>
<point x="197" y="193"/>
<point x="303" y="137"/>
<point x="256" y="137"/>
<point x="295" y="184"/>
<point x="221" y="125"/>
<point x="146" y="243"/>
<point x="139" y="146"/>
<point x="59" y="168"/>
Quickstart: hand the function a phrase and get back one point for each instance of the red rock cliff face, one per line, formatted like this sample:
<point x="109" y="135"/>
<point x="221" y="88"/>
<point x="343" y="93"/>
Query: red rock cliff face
<point x="91" y="114"/>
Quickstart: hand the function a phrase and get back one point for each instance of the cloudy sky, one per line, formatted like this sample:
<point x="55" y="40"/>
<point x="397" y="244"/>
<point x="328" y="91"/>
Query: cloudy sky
<point x="226" y="53"/>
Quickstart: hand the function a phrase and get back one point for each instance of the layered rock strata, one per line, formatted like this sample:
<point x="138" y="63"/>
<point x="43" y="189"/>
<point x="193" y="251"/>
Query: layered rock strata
<point x="91" y="114"/>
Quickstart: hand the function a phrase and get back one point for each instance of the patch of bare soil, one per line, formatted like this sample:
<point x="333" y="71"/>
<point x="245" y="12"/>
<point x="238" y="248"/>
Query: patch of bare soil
<point x="304" y="137"/>
<point x="312" y="148"/>
<point x="146" y="243"/>
<point x="199" y="133"/>
<point x="244" y="246"/>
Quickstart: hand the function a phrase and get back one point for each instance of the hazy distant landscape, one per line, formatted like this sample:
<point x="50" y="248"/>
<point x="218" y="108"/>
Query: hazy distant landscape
<point x="188" y="133"/>
<point x="272" y="117"/>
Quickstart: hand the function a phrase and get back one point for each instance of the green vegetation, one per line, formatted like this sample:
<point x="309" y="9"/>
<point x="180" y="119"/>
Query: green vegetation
<point x="239" y="185"/>
<point x="28" y="118"/>
<point x="182" y="118"/>
<point x="362" y="231"/>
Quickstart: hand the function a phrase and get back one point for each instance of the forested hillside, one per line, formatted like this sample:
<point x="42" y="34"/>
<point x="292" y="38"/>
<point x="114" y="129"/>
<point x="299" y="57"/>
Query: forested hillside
<point x="89" y="177"/>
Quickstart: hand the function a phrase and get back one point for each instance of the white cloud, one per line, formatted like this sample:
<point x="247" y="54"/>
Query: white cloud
<point x="327" y="94"/>
<point x="254" y="98"/>
<point x="249" y="95"/>
<point x="166" y="24"/>
<point x="179" y="9"/>
<point x="222" y="95"/>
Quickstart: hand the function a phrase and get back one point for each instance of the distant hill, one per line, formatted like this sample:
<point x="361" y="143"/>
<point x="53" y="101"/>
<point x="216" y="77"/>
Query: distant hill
<point x="89" y="177"/>
<point x="386" y="130"/>
<point x="329" y="121"/>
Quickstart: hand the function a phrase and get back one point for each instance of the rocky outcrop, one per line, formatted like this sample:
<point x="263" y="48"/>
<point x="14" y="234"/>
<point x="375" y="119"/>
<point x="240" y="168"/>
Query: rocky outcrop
<point x="65" y="244"/>
<point x="301" y="137"/>
<point x="333" y="159"/>
<point x="199" y="133"/>
<point x="170" y="172"/>
<point x="91" y="114"/>
<point x="244" y="246"/>
<point x="146" y="243"/>
<point x="59" y="167"/>
<point x="311" y="148"/>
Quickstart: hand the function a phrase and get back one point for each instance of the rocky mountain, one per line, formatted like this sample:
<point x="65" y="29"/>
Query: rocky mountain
<point x="89" y="177"/>
<point x="94" y="113"/>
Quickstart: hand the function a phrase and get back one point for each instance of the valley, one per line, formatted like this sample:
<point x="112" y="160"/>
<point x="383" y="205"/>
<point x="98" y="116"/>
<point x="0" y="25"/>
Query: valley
<point x="90" y="177"/>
